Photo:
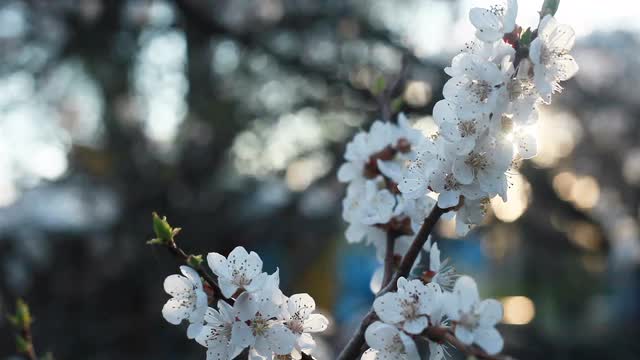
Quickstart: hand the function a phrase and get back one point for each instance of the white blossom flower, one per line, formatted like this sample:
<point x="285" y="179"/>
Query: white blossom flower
<point x="444" y="182"/>
<point x="476" y="86"/>
<point x="189" y="301"/>
<point x="475" y="320"/>
<point x="441" y="272"/>
<point x="260" y="326"/>
<point x="216" y="333"/>
<point x="487" y="164"/>
<point x="240" y="271"/>
<point x="462" y="132"/>
<point x="409" y="306"/>
<point x="549" y="53"/>
<point x="380" y="204"/>
<point x="491" y="24"/>
<point x="302" y="322"/>
<point x="471" y="213"/>
<point x="386" y="342"/>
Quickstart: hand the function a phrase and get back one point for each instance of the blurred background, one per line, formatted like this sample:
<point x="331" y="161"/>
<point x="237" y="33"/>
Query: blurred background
<point x="231" y="117"/>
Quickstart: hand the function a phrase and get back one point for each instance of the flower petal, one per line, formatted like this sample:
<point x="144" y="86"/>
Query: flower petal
<point x="388" y="308"/>
<point x="489" y="339"/>
<point x="281" y="339"/>
<point x="490" y="312"/>
<point x="218" y="265"/>
<point x="175" y="310"/>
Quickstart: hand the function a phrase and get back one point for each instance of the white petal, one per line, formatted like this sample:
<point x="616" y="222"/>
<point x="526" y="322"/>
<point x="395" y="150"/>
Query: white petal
<point x="306" y="342"/>
<point x="316" y="323"/>
<point x="434" y="258"/>
<point x="490" y="312"/>
<point x="237" y="256"/>
<point x="347" y="172"/>
<point x="245" y="307"/>
<point x="218" y="265"/>
<point x="355" y="233"/>
<point x="527" y="145"/>
<point x="218" y="352"/>
<point x="415" y="326"/>
<point x="370" y="354"/>
<point x="410" y="347"/>
<point x="464" y="335"/>
<point x="448" y="199"/>
<point x="489" y="339"/>
<point x="466" y="292"/>
<point x="241" y="335"/>
<point x="227" y="287"/>
<point x="257" y="283"/>
<point x="174" y="311"/>
<point x="281" y="339"/>
<point x="226" y="311"/>
<point x="301" y="304"/>
<point x="192" y="275"/>
<point x="388" y="308"/>
<point x="436" y="351"/>
<point x="177" y="285"/>
<point x="194" y="330"/>
<point x="444" y="112"/>
<point x="462" y="171"/>
<point x="379" y="335"/>
<point x="413" y="188"/>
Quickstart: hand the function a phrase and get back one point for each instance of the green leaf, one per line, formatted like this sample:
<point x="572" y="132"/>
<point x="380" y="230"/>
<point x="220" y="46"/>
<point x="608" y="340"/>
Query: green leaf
<point x="378" y="86"/>
<point x="396" y="104"/>
<point x="549" y="7"/>
<point x="22" y="319"/>
<point x="195" y="261"/>
<point x="22" y="345"/>
<point x="164" y="232"/>
<point x="526" y="37"/>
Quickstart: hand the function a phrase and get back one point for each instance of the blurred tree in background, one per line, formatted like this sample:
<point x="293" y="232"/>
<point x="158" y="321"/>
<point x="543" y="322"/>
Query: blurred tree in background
<point x="230" y="117"/>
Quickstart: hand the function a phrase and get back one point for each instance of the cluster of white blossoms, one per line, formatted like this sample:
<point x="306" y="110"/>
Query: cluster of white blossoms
<point x="374" y="206"/>
<point x="422" y="303"/>
<point x="255" y="314"/>
<point x="396" y="175"/>
<point x="488" y="113"/>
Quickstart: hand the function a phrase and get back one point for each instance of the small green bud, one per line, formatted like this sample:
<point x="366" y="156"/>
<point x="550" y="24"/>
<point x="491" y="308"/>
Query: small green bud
<point x="195" y="261"/>
<point x="526" y="37"/>
<point x="22" y="319"/>
<point x="549" y="7"/>
<point x="22" y="345"/>
<point x="396" y="104"/>
<point x="378" y="86"/>
<point x="164" y="232"/>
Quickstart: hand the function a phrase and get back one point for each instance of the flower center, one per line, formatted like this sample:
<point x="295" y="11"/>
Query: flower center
<point x="259" y="326"/>
<point x="477" y="161"/>
<point x="480" y="89"/>
<point x="396" y="346"/>
<point x="409" y="309"/>
<point x="450" y="183"/>
<point x="296" y="326"/>
<point x="467" y="128"/>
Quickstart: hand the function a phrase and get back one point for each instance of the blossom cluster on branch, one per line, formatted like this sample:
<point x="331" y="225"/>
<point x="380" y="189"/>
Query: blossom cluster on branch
<point x="253" y="315"/>
<point x="395" y="175"/>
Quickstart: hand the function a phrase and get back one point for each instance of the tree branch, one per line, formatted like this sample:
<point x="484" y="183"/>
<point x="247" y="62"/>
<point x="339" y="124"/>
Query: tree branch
<point x="354" y="347"/>
<point x="446" y="335"/>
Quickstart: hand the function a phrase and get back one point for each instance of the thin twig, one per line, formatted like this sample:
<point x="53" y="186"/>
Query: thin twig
<point x="208" y="278"/>
<point x="354" y="347"/>
<point x="446" y="335"/>
<point x="389" y="257"/>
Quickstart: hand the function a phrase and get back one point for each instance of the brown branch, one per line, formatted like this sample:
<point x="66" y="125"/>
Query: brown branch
<point x="389" y="258"/>
<point x="354" y="347"/>
<point x="446" y="335"/>
<point x="208" y="278"/>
